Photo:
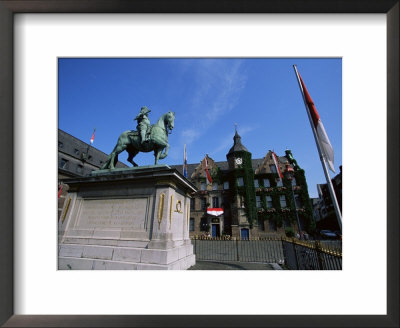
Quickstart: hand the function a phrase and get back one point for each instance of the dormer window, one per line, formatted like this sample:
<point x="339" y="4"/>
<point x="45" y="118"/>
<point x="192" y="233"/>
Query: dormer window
<point x="79" y="168"/>
<point x="63" y="163"/>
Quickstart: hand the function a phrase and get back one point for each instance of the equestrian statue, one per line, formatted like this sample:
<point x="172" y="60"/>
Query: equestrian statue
<point x="147" y="138"/>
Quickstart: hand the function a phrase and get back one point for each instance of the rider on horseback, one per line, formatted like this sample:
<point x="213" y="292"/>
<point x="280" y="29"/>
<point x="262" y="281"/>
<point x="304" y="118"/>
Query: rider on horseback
<point x="143" y="123"/>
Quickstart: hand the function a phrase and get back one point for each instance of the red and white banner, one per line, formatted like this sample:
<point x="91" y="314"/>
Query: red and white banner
<point x="208" y="176"/>
<point x="215" y="211"/>
<point x="278" y="170"/>
<point x="325" y="144"/>
<point x="92" y="138"/>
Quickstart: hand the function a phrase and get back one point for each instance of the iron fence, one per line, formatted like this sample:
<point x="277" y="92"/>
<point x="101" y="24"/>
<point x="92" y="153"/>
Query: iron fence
<point x="294" y="254"/>
<point x="255" y="250"/>
<point x="312" y="255"/>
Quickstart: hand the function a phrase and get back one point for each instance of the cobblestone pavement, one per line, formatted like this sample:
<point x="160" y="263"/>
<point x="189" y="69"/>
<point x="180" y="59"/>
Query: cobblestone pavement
<point x="209" y="265"/>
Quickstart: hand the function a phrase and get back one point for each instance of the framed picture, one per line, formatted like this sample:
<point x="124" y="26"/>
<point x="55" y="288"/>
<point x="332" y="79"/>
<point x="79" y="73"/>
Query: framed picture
<point x="12" y="172"/>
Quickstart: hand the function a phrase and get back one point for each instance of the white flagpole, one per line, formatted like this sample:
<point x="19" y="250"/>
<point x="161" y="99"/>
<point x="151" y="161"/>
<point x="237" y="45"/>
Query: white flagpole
<point x="321" y="156"/>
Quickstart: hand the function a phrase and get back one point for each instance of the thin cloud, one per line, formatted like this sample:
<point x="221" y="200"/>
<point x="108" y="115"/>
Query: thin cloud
<point x="190" y="135"/>
<point x="218" y="88"/>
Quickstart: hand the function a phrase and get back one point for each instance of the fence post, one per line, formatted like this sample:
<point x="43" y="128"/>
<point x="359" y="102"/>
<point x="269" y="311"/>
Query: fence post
<point x="283" y="252"/>
<point x="318" y="247"/>
<point x="295" y="254"/>
<point x="237" y="249"/>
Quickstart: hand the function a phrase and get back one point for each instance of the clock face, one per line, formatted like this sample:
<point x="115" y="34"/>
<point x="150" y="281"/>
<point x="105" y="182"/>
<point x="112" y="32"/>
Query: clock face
<point x="238" y="161"/>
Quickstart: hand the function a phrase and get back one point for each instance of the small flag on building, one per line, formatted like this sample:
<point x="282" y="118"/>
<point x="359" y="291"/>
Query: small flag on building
<point x="92" y="138"/>
<point x="278" y="170"/>
<point x="184" y="162"/>
<point x="208" y="176"/>
<point x="321" y="136"/>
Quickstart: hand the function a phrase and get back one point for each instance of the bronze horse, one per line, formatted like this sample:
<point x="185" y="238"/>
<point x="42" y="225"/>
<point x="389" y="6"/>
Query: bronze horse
<point x="130" y="141"/>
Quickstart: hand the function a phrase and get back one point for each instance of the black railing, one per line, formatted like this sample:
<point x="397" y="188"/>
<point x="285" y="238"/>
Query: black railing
<point x="292" y="253"/>
<point x="312" y="255"/>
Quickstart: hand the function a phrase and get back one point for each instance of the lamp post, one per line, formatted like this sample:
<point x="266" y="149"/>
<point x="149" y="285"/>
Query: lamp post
<point x="289" y="173"/>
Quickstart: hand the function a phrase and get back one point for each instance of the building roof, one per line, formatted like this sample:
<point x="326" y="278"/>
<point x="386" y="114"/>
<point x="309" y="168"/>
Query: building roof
<point x="223" y="165"/>
<point x="72" y="149"/>
<point x="237" y="144"/>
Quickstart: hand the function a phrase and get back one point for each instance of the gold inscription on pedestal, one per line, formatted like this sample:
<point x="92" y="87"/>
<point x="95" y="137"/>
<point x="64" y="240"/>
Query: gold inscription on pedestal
<point x="114" y="213"/>
<point x="187" y="215"/>
<point x="170" y="211"/>
<point x="66" y="210"/>
<point x="160" y="209"/>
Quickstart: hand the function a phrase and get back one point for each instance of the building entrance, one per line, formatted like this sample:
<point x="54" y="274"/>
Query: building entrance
<point x="244" y="234"/>
<point x="215" y="230"/>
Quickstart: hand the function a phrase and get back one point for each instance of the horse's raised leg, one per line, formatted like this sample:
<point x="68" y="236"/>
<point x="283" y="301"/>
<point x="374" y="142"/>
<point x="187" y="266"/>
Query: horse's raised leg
<point x="165" y="153"/>
<point x="132" y="154"/>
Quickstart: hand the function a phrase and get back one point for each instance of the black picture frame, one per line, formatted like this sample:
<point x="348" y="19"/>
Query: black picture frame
<point x="7" y="10"/>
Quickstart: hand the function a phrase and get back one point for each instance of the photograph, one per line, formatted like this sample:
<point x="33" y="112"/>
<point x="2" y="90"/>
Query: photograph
<point x="199" y="163"/>
<point x="159" y="155"/>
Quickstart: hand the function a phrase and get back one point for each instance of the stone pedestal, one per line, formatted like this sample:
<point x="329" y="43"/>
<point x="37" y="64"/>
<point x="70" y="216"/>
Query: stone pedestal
<point x="134" y="219"/>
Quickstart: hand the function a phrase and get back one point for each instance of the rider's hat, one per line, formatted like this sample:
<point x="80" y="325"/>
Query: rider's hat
<point x="145" y="110"/>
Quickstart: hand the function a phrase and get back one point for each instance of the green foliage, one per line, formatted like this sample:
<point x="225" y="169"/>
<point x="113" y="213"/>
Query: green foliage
<point x="305" y="212"/>
<point x="216" y="175"/>
<point x="306" y="202"/>
<point x="247" y="190"/>
<point x="289" y="232"/>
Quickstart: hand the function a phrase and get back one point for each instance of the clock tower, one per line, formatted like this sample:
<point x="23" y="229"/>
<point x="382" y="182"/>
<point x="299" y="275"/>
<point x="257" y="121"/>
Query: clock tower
<point x="242" y="192"/>
<point x="235" y="154"/>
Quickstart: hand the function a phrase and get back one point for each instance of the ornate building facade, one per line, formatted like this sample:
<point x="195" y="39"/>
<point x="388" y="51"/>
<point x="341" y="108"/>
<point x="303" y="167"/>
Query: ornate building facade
<point x="255" y="202"/>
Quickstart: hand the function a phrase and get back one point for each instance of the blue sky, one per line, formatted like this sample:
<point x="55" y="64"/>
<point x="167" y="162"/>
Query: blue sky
<point x="208" y="96"/>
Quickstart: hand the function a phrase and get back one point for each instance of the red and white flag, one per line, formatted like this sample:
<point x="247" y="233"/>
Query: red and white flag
<point x="92" y="138"/>
<point x="325" y="144"/>
<point x="215" y="211"/>
<point x="278" y="170"/>
<point x="59" y="190"/>
<point x="208" y="176"/>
